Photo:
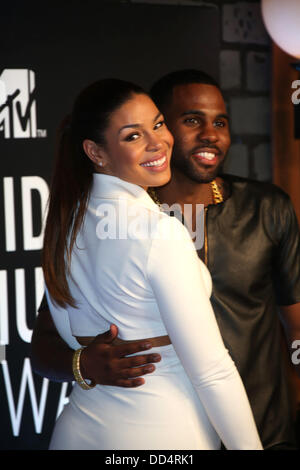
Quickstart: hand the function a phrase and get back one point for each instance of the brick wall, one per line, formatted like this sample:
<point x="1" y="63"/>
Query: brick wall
<point x="245" y="80"/>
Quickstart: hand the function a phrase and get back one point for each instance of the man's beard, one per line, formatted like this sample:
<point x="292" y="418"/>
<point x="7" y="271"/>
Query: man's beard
<point x="192" y="171"/>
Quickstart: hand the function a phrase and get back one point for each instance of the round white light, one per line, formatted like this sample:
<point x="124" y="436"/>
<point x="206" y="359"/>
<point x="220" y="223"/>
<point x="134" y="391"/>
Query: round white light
<point x="282" y="21"/>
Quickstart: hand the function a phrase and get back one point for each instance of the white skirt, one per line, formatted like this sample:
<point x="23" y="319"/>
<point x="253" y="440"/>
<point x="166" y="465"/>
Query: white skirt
<point x="163" y="414"/>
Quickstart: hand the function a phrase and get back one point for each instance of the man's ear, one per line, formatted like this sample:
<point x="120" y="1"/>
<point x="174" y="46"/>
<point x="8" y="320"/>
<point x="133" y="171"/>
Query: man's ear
<point x="94" y="151"/>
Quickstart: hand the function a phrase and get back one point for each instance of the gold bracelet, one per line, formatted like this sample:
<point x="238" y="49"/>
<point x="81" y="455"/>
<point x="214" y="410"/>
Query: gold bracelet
<point x="76" y="371"/>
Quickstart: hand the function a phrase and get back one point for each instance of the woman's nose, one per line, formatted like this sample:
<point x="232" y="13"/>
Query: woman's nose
<point x="154" y="143"/>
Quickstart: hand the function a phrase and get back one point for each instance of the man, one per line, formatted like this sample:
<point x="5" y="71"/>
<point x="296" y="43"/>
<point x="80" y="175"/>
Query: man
<point x="252" y="249"/>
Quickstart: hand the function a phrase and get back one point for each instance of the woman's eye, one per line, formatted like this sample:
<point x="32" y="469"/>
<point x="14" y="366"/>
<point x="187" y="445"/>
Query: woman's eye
<point x="131" y="137"/>
<point x="159" y="124"/>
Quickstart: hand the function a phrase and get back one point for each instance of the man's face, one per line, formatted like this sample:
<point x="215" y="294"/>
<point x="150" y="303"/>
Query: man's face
<point x="198" y="120"/>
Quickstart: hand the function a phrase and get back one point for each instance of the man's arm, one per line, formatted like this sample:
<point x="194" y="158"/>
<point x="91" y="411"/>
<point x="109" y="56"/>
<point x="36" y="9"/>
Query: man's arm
<point x="51" y="357"/>
<point x="290" y="315"/>
<point x="286" y="269"/>
<point x="101" y="360"/>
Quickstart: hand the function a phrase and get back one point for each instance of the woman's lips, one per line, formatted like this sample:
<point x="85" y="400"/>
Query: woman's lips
<point x="156" y="163"/>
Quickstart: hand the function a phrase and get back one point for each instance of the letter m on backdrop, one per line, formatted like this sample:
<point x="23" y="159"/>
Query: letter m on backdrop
<point x="17" y="104"/>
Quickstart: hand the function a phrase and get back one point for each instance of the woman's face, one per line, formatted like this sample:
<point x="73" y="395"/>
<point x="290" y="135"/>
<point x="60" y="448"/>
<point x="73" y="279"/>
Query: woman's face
<point x="138" y="144"/>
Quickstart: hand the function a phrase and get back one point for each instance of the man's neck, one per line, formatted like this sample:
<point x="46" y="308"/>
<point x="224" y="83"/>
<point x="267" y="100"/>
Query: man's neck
<point x="183" y="190"/>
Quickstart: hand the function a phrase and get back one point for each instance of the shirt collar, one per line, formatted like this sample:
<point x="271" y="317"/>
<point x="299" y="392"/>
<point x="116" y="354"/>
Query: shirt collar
<point x="112" y="187"/>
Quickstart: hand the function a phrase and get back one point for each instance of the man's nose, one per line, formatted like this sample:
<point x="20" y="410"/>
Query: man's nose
<point x="208" y="133"/>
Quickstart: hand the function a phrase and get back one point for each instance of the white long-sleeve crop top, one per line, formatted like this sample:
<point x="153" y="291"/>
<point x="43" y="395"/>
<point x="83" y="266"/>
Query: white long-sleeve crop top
<point x="137" y="267"/>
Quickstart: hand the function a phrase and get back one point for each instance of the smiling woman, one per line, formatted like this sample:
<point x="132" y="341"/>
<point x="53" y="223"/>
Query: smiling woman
<point x="150" y="284"/>
<point x="115" y="129"/>
<point x="137" y="145"/>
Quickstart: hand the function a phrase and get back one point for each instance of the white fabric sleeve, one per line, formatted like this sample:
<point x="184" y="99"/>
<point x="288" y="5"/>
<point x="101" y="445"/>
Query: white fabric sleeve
<point x="174" y="274"/>
<point x="61" y="320"/>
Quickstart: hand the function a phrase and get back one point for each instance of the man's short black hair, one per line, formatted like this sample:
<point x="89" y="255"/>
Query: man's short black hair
<point x="161" y="91"/>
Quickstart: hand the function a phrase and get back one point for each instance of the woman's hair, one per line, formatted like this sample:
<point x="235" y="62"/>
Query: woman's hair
<point x="73" y="176"/>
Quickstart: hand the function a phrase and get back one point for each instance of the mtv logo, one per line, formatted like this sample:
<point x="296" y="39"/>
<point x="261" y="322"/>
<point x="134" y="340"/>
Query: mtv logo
<point x="18" y="104"/>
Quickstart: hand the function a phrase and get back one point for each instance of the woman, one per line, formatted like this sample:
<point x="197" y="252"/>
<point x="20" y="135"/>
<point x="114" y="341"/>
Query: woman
<point x="111" y="256"/>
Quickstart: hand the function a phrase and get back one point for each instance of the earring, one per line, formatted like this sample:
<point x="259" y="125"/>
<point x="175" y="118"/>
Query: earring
<point x="100" y="163"/>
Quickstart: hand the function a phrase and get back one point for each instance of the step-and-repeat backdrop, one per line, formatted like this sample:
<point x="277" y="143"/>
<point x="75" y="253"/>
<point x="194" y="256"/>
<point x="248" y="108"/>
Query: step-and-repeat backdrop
<point x="47" y="55"/>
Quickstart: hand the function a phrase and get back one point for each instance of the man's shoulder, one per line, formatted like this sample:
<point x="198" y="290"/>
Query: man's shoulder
<point x="262" y="190"/>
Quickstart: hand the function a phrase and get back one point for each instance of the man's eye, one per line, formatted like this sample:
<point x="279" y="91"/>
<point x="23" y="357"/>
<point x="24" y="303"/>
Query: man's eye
<point x="191" y="121"/>
<point x="220" y="124"/>
<point x="131" y="137"/>
<point x="159" y="125"/>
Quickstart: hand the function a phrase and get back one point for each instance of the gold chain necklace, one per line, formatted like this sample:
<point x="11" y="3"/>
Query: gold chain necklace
<point x="217" y="195"/>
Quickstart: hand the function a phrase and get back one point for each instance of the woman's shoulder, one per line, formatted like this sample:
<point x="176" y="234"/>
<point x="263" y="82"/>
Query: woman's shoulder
<point x="170" y="228"/>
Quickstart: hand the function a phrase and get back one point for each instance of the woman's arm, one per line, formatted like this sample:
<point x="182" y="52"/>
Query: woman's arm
<point x="175" y="277"/>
